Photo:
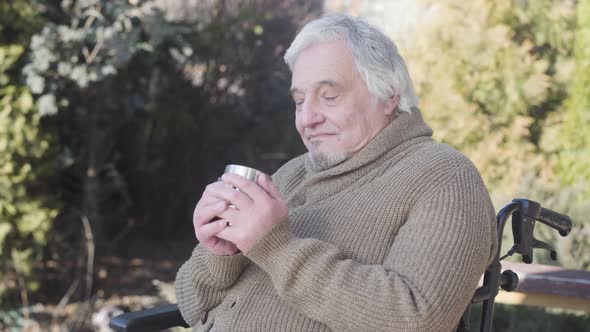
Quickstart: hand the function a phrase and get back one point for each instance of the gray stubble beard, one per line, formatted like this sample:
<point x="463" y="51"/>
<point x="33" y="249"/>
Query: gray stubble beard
<point x="323" y="161"/>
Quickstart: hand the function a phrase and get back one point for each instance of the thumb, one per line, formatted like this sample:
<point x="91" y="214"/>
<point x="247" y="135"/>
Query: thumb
<point x="265" y="182"/>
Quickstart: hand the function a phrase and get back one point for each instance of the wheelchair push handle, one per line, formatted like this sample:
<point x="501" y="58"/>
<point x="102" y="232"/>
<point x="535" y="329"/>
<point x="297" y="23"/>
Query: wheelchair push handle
<point x="556" y="220"/>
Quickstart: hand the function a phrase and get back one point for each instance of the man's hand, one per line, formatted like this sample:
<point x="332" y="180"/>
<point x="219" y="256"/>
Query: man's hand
<point x="206" y="230"/>
<point x="258" y="206"/>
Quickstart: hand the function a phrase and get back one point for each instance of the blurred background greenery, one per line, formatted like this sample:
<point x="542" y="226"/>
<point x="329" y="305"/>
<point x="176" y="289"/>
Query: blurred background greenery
<point x="114" y="115"/>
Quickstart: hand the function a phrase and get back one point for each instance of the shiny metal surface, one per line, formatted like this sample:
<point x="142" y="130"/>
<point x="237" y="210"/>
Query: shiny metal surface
<point x="247" y="172"/>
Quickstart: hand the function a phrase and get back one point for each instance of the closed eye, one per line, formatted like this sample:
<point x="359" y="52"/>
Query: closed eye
<point x="330" y="99"/>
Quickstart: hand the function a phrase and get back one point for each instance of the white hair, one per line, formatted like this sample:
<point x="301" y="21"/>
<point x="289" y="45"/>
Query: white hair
<point x="376" y="56"/>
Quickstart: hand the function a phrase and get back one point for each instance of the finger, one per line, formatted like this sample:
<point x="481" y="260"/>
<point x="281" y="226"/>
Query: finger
<point x="265" y="182"/>
<point x="231" y="215"/>
<point x="206" y="197"/>
<point x="205" y="214"/>
<point x="228" y="233"/>
<point x="206" y="231"/>
<point x="227" y="193"/>
<point x="246" y="186"/>
<point x="212" y="188"/>
<point x="207" y="201"/>
<point x="212" y="200"/>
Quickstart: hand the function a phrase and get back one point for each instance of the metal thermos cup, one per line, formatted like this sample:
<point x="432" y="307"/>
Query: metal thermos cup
<point x="247" y="172"/>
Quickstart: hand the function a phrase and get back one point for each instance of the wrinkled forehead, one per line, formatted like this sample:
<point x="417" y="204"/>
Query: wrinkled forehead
<point x="326" y="63"/>
<point x="327" y="83"/>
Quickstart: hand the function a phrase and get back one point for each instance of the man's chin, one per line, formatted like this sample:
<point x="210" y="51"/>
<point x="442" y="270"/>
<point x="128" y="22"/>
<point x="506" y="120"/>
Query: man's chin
<point x="322" y="161"/>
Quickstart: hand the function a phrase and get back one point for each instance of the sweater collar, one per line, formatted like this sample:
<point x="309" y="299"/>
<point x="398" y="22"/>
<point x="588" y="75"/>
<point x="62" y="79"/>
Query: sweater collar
<point x="405" y="127"/>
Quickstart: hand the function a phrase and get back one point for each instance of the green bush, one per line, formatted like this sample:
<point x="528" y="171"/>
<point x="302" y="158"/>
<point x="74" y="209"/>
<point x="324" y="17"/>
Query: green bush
<point x="569" y="142"/>
<point x="25" y="212"/>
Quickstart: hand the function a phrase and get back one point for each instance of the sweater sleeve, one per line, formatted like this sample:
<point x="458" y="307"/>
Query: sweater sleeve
<point x="202" y="282"/>
<point x="425" y="282"/>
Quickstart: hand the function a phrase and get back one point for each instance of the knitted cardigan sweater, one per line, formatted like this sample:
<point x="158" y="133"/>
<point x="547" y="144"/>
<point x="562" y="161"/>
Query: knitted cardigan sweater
<point x="393" y="239"/>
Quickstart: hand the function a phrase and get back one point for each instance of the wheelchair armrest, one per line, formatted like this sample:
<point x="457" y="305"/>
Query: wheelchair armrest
<point x="154" y="319"/>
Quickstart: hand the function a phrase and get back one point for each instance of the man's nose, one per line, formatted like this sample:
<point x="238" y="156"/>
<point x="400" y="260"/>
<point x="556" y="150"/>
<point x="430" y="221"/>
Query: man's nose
<point x="310" y="114"/>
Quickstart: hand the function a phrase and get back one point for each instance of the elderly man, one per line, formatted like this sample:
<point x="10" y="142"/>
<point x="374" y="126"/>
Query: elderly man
<point x="377" y="228"/>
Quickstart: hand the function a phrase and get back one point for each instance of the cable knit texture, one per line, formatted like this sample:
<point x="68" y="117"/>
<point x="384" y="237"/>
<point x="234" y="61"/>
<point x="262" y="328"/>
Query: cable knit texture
<point x="393" y="239"/>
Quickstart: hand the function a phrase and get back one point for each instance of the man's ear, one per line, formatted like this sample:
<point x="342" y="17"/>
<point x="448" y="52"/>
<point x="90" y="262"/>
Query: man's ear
<point x="391" y="105"/>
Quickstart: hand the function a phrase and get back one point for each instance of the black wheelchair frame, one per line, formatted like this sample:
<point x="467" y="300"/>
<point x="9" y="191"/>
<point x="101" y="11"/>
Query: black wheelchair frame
<point x="524" y="215"/>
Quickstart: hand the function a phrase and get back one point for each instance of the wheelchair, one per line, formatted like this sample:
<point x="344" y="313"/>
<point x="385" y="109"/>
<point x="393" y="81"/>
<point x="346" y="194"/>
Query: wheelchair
<point x="524" y="214"/>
